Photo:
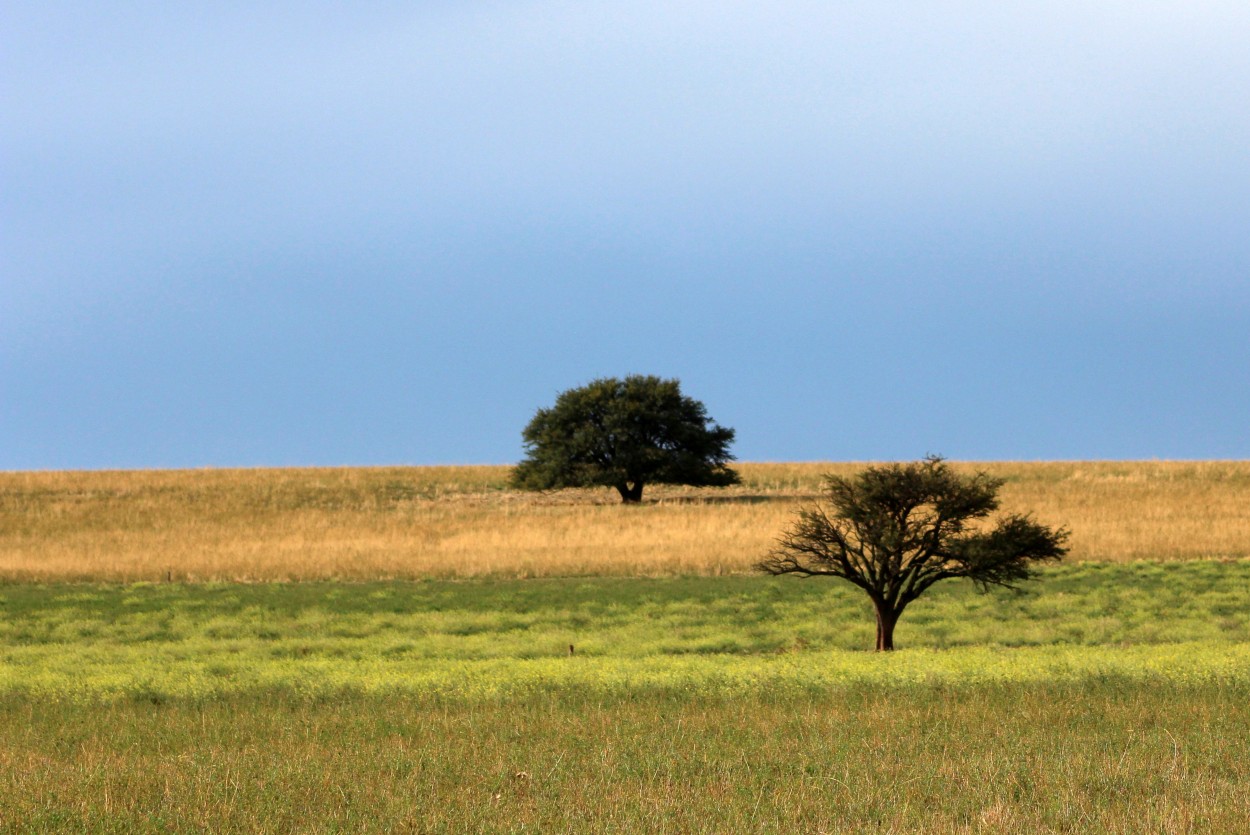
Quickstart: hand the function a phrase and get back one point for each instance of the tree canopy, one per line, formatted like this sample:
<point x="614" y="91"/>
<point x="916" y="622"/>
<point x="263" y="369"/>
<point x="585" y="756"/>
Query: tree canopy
<point x="624" y="434"/>
<point x="896" y="529"/>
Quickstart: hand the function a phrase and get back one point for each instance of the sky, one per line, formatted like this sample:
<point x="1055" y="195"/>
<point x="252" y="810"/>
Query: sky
<point x="314" y="233"/>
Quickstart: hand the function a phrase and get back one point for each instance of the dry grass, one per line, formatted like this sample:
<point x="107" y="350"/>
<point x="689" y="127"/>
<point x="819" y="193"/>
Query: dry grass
<point x="410" y="522"/>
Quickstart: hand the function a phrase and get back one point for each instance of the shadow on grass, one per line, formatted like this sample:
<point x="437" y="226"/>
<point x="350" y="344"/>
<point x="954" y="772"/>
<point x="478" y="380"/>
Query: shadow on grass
<point x="731" y="500"/>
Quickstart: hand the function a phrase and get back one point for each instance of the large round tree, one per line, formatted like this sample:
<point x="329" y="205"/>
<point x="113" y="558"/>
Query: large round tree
<point x="624" y="434"/>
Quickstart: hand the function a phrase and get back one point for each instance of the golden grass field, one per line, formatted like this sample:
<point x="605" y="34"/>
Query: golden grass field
<point x="413" y="522"/>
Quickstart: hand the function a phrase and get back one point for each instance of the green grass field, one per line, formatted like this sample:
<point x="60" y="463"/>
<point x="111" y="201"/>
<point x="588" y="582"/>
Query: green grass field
<point x="1103" y="697"/>
<point x="489" y="638"/>
<point x="1095" y="756"/>
<point x="357" y="650"/>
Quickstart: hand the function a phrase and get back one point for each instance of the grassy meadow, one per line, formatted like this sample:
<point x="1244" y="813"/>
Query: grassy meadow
<point x="1106" y="697"/>
<point x="421" y="522"/>
<point x="488" y="639"/>
<point x="1103" y="756"/>
<point x="160" y="671"/>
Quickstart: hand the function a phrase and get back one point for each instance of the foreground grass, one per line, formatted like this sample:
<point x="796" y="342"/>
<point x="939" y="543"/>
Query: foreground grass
<point x="1104" y="698"/>
<point x="1116" y="757"/>
<point x="416" y="522"/>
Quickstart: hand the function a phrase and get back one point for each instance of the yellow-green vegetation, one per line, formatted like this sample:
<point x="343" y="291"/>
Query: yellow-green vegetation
<point x="1095" y="757"/>
<point x="1104" y="697"/>
<point x="420" y="522"/>
<point x="487" y="639"/>
<point x="416" y="681"/>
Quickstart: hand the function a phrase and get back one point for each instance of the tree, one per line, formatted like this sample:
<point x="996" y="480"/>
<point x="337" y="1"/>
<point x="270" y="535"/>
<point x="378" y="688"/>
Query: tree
<point x="624" y="434"/>
<point x="895" y="530"/>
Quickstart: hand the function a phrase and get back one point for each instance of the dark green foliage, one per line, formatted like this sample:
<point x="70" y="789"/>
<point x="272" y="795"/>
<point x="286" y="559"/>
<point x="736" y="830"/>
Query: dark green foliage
<point x="625" y="434"/>
<point x="897" y="529"/>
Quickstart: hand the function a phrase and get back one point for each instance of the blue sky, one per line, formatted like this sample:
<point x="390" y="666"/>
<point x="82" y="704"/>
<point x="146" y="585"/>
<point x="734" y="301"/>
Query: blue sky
<point x="386" y="233"/>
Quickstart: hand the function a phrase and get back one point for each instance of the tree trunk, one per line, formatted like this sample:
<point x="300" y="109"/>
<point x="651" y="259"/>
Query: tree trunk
<point x="886" y="619"/>
<point x="630" y="493"/>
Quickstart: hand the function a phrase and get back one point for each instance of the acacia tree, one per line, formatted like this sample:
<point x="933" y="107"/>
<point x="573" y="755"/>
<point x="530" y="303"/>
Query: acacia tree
<point x="624" y="434"/>
<point x="895" y="530"/>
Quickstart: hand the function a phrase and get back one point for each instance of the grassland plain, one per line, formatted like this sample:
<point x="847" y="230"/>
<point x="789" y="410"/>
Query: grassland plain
<point x="1105" y="697"/>
<point x="414" y="683"/>
<point x="491" y="638"/>
<point x="421" y="522"/>
<point x="1100" y="756"/>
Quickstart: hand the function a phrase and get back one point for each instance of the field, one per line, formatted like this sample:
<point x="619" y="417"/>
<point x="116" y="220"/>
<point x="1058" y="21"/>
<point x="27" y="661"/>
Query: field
<point x="420" y="522"/>
<point x="1106" y="756"/>
<point x="493" y="662"/>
